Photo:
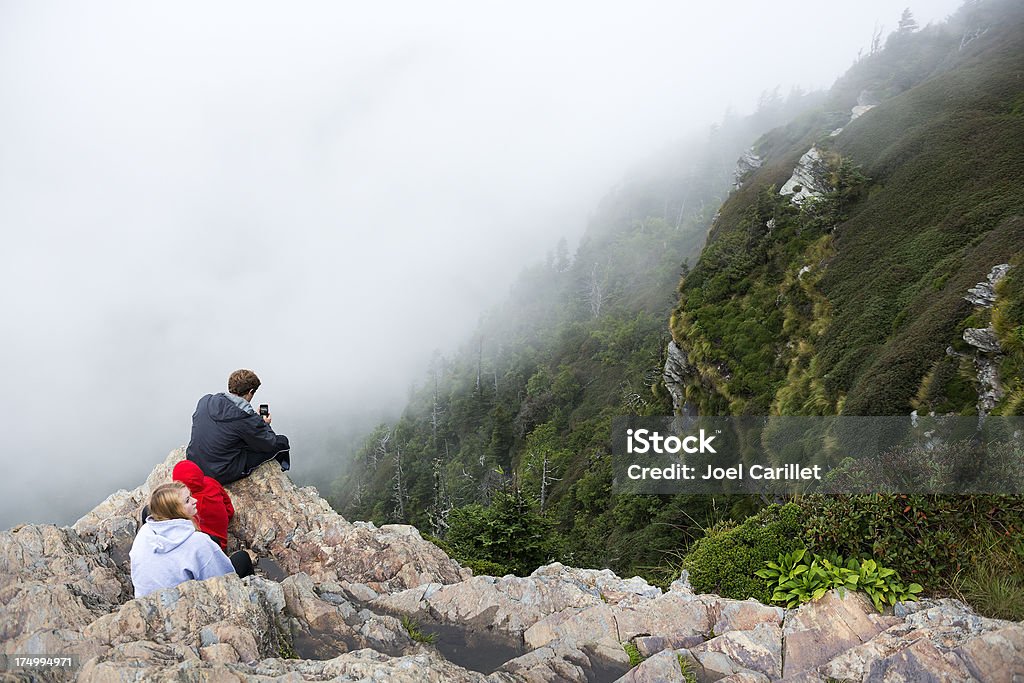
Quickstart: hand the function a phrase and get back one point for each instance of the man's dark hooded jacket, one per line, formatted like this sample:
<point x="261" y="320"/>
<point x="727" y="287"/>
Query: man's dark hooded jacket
<point x="226" y="433"/>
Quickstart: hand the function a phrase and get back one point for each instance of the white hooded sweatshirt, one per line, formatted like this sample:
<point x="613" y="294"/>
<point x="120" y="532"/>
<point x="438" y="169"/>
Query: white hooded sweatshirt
<point x="168" y="552"/>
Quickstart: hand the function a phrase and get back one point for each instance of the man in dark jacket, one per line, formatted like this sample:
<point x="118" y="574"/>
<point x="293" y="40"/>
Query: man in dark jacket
<point x="229" y="438"/>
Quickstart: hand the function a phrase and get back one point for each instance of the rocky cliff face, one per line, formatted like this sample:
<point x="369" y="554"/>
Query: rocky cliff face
<point x="675" y="374"/>
<point x="987" y="352"/>
<point x="330" y="606"/>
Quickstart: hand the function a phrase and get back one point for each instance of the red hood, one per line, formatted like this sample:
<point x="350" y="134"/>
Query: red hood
<point x="189" y="474"/>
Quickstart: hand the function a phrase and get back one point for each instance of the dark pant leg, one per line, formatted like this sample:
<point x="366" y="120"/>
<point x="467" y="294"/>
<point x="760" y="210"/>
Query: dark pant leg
<point x="254" y="460"/>
<point x="242" y="563"/>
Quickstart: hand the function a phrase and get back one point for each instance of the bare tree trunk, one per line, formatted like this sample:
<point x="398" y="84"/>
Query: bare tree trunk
<point x="479" y="362"/>
<point x="544" y="484"/>
<point x="380" y="451"/>
<point x="435" y="411"/>
<point x="442" y="501"/>
<point x="876" y="39"/>
<point x="595" y="294"/>
<point x="399" y="486"/>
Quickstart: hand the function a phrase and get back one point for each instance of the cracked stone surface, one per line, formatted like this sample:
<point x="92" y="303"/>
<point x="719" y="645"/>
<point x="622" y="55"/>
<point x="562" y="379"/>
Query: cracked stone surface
<point x="345" y="585"/>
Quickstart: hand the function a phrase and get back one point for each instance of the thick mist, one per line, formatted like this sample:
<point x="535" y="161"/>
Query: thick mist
<point x="323" y="193"/>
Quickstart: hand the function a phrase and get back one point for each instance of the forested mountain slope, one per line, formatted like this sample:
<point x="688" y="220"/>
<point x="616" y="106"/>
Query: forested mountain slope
<point x="846" y="301"/>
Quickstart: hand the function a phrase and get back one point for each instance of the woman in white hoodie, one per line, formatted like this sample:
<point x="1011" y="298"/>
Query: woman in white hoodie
<point x="169" y="548"/>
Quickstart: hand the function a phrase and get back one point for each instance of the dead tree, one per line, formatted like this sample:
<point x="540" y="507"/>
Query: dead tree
<point x="442" y="500"/>
<point x="398" y="487"/>
<point x="594" y="292"/>
<point x="435" y="410"/>
<point x="380" y="450"/>
<point x="479" y="362"/>
<point x="679" y="219"/>
<point x="545" y="477"/>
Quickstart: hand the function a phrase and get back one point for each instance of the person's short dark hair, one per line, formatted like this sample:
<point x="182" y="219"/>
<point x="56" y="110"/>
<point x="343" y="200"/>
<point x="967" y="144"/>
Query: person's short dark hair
<point x="241" y="382"/>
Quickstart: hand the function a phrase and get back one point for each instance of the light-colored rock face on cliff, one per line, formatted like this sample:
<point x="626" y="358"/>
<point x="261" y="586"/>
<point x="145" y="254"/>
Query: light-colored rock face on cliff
<point x="804" y="183"/>
<point x="675" y="373"/>
<point x="984" y="293"/>
<point x="746" y="164"/>
<point x="988" y="353"/>
<point x="336" y="615"/>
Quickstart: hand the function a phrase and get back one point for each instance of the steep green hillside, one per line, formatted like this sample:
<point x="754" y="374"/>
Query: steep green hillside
<point x="847" y="303"/>
<point x="854" y="300"/>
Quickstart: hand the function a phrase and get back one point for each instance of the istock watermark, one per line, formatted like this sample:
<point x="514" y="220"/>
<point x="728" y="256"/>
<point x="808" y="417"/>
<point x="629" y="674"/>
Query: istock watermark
<point x="788" y="455"/>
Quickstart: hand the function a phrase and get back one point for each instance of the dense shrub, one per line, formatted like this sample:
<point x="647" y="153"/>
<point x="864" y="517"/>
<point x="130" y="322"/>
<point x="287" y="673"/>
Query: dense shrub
<point x="507" y="537"/>
<point x="725" y="560"/>
<point x="927" y="539"/>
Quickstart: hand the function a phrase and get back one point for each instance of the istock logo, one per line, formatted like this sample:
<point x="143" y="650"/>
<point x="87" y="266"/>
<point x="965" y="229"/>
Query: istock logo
<point x="647" y="441"/>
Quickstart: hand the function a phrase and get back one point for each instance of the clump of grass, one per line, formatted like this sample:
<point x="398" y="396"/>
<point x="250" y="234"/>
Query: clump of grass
<point x="687" y="669"/>
<point x="668" y="570"/>
<point x="994" y="582"/>
<point x="286" y="651"/>
<point x="633" y="652"/>
<point x="416" y="632"/>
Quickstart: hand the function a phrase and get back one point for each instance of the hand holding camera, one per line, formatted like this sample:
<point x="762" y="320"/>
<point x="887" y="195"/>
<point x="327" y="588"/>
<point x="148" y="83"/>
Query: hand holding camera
<point x="265" y="412"/>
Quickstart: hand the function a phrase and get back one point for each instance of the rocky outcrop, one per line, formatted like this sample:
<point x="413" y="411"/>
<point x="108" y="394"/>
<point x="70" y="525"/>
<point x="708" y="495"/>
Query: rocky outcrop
<point x="54" y="583"/>
<point x="337" y="613"/>
<point x="675" y="373"/>
<point x="805" y="183"/>
<point x="361" y="665"/>
<point x="988" y="352"/>
<point x="940" y="639"/>
<point x="68" y="590"/>
<point x="984" y="293"/>
<point x="746" y="164"/>
<point x="817" y="633"/>
<point x="983" y="339"/>
<point x="866" y="101"/>
<point x="860" y="110"/>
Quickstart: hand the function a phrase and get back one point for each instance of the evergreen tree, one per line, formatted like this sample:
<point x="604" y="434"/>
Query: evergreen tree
<point x="907" y="23"/>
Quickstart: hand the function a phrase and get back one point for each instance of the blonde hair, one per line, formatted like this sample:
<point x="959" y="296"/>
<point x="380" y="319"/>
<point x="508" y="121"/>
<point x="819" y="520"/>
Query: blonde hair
<point x="165" y="503"/>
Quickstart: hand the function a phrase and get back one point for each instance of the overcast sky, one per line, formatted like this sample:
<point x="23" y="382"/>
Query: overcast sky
<point x="322" y="192"/>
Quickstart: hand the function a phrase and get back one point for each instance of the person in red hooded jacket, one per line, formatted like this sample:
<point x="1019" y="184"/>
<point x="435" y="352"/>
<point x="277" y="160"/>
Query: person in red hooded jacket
<point x="213" y="504"/>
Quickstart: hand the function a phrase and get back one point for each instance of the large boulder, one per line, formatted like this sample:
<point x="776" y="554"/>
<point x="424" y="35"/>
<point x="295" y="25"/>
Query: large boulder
<point x="816" y="632"/>
<point x="932" y="640"/>
<point x="52" y="584"/>
<point x="294" y="526"/>
<point x="510" y="604"/>
<point x="247" y="614"/>
<point x="300" y="530"/>
<point x="758" y="649"/>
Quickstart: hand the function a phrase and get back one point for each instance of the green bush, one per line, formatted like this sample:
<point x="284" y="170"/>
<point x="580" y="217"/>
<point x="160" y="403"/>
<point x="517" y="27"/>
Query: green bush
<point x="797" y="578"/>
<point x="928" y="538"/>
<point x="507" y="537"/>
<point x="725" y="560"/>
